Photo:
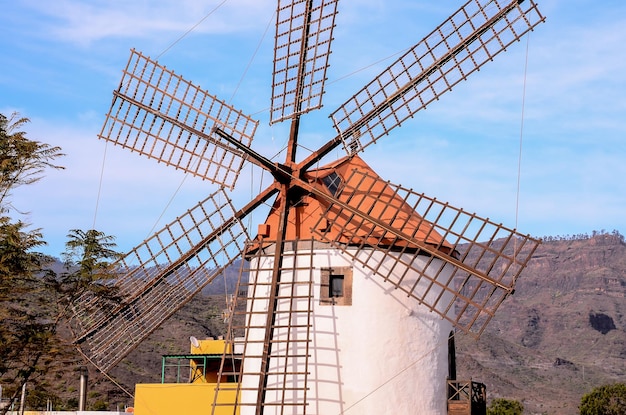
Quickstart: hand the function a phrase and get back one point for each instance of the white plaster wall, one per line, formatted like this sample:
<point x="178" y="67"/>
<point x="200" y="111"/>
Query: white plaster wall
<point x="385" y="353"/>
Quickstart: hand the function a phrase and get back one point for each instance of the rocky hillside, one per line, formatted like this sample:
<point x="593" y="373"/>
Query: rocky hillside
<point x="560" y="335"/>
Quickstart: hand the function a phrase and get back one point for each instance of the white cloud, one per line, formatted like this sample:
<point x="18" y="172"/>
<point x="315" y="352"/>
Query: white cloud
<point x="79" y="22"/>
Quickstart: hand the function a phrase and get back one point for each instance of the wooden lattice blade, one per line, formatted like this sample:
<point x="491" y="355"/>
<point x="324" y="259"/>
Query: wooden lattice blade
<point x="282" y="339"/>
<point x="157" y="278"/>
<point x="470" y="38"/>
<point x="467" y="265"/>
<point x="158" y="114"/>
<point x="304" y="31"/>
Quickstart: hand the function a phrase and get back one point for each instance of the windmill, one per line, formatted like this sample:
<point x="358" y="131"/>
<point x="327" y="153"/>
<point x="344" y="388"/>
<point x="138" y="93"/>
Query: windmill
<point x="344" y="258"/>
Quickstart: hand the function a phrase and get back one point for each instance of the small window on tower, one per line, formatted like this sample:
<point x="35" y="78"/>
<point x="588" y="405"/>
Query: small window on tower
<point x="332" y="182"/>
<point x="336" y="286"/>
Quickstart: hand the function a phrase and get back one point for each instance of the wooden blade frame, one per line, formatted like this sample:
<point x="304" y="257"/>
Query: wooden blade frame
<point x="304" y="30"/>
<point x="157" y="278"/>
<point x="164" y="117"/>
<point x="485" y="258"/>
<point x="275" y="328"/>
<point x="458" y="47"/>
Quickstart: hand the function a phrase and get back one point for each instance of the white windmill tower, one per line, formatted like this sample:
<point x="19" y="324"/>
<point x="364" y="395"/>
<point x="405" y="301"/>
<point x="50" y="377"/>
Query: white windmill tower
<point x="353" y="284"/>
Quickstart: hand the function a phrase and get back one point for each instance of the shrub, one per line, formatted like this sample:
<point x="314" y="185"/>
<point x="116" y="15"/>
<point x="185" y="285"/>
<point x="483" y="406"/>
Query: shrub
<point x="503" y="406"/>
<point x="605" y="400"/>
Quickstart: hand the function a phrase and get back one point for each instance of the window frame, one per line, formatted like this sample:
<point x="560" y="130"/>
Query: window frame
<point x="326" y="297"/>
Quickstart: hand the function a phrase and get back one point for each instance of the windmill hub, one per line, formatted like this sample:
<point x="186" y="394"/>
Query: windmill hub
<point x="283" y="173"/>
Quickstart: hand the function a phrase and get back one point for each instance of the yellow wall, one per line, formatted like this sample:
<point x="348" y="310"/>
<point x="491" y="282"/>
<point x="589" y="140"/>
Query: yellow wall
<point x="182" y="398"/>
<point x="67" y="413"/>
<point x="210" y="346"/>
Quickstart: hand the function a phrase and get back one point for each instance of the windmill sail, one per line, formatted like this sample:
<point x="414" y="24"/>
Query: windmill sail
<point x="158" y="114"/>
<point x="458" y="47"/>
<point x="422" y="235"/>
<point x="304" y="31"/>
<point x="275" y="347"/>
<point x="157" y="278"/>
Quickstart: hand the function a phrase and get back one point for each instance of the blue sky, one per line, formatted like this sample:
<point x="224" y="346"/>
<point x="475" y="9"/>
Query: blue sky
<point x="61" y="60"/>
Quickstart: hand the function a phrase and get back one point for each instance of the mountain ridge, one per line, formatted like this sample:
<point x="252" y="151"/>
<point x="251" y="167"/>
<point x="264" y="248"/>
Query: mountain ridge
<point x="562" y="332"/>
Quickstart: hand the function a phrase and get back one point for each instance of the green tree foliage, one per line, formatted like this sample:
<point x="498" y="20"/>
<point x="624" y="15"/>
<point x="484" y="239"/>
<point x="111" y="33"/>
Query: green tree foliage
<point x="502" y="406"/>
<point x="87" y="259"/>
<point x="27" y="328"/>
<point x="40" y="400"/>
<point x="22" y="161"/>
<point x="99" y="405"/>
<point x="34" y="299"/>
<point x="605" y="400"/>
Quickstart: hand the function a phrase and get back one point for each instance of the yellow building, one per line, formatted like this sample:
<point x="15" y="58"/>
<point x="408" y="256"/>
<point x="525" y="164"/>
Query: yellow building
<point x="188" y="383"/>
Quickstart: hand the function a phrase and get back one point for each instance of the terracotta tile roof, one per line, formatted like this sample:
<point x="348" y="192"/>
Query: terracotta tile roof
<point x="371" y="195"/>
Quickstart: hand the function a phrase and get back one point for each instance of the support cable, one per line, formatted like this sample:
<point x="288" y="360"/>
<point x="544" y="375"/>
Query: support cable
<point x="101" y="178"/>
<point x="106" y="375"/>
<point x="104" y="156"/>
<point x="245" y="72"/>
<point x="181" y="37"/>
<point x="407" y="367"/>
<point x="230" y="101"/>
<point x="521" y="135"/>
<point x="191" y="29"/>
